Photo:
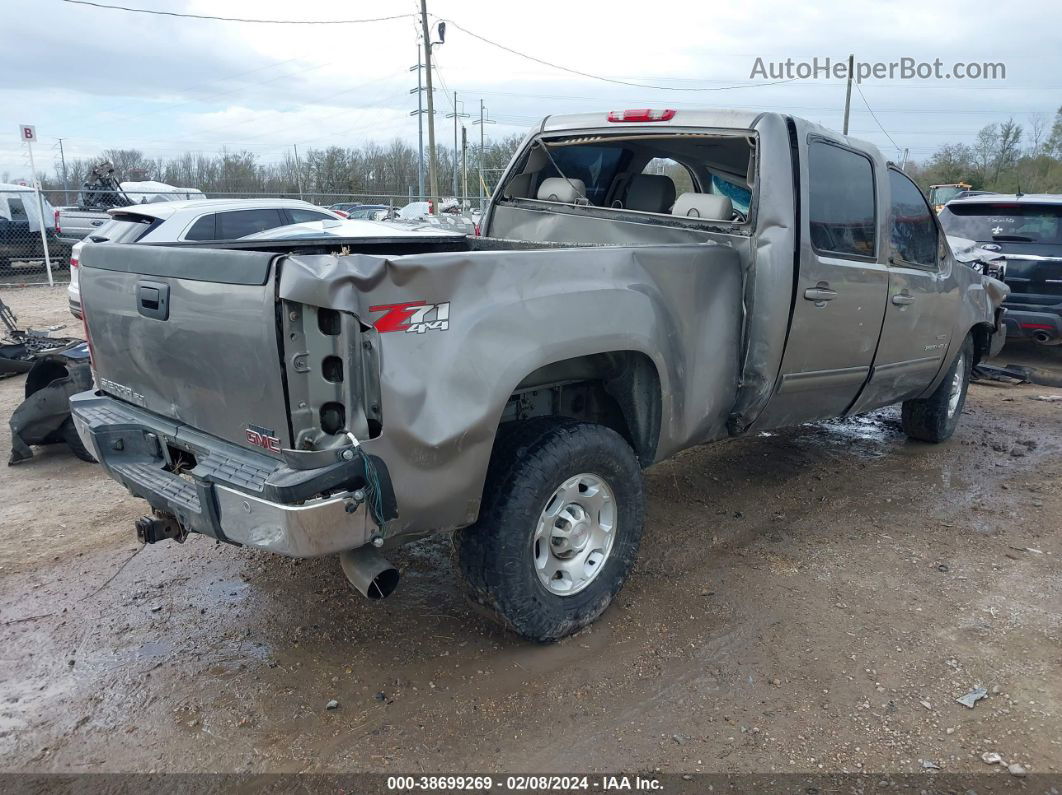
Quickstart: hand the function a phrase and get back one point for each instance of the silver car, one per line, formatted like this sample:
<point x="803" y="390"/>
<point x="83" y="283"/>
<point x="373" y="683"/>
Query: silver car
<point x="197" y="219"/>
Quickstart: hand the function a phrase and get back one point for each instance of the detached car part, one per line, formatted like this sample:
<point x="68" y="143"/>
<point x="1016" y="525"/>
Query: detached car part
<point x="44" y="416"/>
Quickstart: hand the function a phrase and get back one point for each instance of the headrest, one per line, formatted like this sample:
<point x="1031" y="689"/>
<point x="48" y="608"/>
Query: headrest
<point x="704" y="205"/>
<point x="651" y="193"/>
<point x="559" y="189"/>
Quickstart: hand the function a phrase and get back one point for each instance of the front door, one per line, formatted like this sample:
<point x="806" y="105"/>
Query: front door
<point x="841" y="290"/>
<point x="923" y="301"/>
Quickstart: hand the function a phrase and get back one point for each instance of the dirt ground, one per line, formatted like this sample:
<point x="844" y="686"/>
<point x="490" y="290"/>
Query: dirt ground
<point x="809" y="600"/>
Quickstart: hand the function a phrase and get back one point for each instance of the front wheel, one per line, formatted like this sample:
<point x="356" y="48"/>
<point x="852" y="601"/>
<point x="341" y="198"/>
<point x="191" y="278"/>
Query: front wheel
<point x="558" y="532"/>
<point x="934" y="419"/>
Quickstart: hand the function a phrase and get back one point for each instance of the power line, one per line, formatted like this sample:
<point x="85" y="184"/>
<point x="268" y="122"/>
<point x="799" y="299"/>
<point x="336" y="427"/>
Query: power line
<point x="155" y="12"/>
<point x="874" y="117"/>
<point x="599" y="77"/>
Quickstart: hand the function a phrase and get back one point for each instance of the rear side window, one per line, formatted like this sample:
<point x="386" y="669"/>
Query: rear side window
<point x="240" y="223"/>
<point x="912" y="232"/>
<point x="203" y="229"/>
<point x="841" y="208"/>
<point x="303" y="216"/>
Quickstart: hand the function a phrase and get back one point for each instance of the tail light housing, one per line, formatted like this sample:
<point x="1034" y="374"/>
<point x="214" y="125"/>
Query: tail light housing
<point x="431" y="206"/>
<point x="58" y="229"/>
<point x="641" y="115"/>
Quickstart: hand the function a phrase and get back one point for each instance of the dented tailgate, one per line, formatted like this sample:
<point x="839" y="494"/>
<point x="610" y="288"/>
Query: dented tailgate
<point x="189" y="334"/>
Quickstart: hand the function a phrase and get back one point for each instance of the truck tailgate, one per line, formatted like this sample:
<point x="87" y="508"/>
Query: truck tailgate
<point x="189" y="334"/>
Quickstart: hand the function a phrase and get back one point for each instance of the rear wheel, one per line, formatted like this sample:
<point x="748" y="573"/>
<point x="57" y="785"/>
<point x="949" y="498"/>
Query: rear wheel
<point x="559" y="528"/>
<point x="935" y="418"/>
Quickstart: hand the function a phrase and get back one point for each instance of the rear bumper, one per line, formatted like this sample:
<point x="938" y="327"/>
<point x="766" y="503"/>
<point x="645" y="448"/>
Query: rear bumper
<point x="231" y="494"/>
<point x="1033" y="320"/>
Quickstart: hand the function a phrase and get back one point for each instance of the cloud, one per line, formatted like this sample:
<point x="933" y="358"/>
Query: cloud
<point x="101" y="78"/>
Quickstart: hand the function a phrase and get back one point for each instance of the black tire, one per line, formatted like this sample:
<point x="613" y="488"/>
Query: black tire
<point x="73" y="441"/>
<point x="929" y="419"/>
<point x="495" y="558"/>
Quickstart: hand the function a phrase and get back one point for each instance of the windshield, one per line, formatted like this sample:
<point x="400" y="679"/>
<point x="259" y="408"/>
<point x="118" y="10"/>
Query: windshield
<point x="1004" y="222"/>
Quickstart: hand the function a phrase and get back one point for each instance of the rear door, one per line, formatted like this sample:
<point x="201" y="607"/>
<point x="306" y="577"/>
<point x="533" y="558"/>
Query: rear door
<point x="841" y="288"/>
<point x="923" y="300"/>
<point x="188" y="333"/>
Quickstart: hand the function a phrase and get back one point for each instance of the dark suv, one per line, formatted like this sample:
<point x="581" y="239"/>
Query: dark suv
<point x="1027" y="230"/>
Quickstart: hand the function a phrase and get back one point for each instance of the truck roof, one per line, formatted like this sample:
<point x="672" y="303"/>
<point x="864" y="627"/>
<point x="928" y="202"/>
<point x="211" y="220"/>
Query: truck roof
<point x="721" y="118"/>
<point x="165" y="210"/>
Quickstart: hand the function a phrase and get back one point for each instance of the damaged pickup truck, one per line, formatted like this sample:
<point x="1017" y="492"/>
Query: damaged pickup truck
<point x="646" y="281"/>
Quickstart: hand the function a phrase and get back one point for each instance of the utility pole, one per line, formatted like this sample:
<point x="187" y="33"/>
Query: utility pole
<point x="848" y="92"/>
<point x="419" y="113"/>
<point x="62" y="159"/>
<point x="433" y="172"/>
<point x="483" y="120"/>
<point x="464" y="165"/>
<point x="298" y="170"/>
<point x="457" y="153"/>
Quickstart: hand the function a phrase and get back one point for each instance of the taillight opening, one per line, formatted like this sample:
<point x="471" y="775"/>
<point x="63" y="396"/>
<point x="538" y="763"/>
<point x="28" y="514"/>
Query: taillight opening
<point x="641" y="115"/>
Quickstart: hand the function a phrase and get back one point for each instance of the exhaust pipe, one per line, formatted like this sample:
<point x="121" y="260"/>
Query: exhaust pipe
<point x="369" y="571"/>
<point x="1044" y="338"/>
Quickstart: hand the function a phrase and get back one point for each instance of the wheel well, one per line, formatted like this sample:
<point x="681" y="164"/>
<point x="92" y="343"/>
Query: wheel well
<point x="619" y="389"/>
<point x="982" y="340"/>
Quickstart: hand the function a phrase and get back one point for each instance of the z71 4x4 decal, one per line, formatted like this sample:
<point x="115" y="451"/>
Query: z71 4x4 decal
<point x="412" y="317"/>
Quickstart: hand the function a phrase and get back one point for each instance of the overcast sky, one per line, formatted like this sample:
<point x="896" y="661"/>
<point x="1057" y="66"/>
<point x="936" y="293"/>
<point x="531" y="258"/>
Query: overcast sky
<point x="99" y="78"/>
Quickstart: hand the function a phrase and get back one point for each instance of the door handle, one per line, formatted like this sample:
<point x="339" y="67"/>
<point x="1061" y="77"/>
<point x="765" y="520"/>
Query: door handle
<point x="820" y="294"/>
<point x="153" y="300"/>
<point x="903" y="299"/>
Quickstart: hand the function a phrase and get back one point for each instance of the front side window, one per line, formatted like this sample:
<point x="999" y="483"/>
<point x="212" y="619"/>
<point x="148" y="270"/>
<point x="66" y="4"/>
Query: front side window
<point x="912" y="231"/>
<point x="303" y="216"/>
<point x="841" y="206"/>
<point x="240" y="223"/>
<point x="17" y="210"/>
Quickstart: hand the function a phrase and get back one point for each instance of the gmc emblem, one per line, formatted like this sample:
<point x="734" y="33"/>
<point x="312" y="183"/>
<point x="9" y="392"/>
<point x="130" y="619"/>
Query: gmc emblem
<point x="262" y="437"/>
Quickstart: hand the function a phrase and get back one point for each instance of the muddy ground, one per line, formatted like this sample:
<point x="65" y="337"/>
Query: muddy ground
<point x="810" y="600"/>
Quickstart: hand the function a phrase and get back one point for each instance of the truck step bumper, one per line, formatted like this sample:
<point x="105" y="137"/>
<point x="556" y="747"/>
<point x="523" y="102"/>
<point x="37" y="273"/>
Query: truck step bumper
<point x="222" y="494"/>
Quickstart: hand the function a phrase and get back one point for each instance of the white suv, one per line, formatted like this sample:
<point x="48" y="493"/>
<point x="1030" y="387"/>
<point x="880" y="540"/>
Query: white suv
<point x="197" y="219"/>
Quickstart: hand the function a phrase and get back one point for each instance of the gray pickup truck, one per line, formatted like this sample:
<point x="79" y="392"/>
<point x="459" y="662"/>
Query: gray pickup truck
<point x="646" y="281"/>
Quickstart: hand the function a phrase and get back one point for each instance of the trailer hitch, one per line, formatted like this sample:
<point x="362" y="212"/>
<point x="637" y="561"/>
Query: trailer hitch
<point x="159" y="527"/>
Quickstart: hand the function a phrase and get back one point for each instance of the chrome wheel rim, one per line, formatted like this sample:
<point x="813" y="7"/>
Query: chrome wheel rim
<point x="956" y="385"/>
<point x="574" y="534"/>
